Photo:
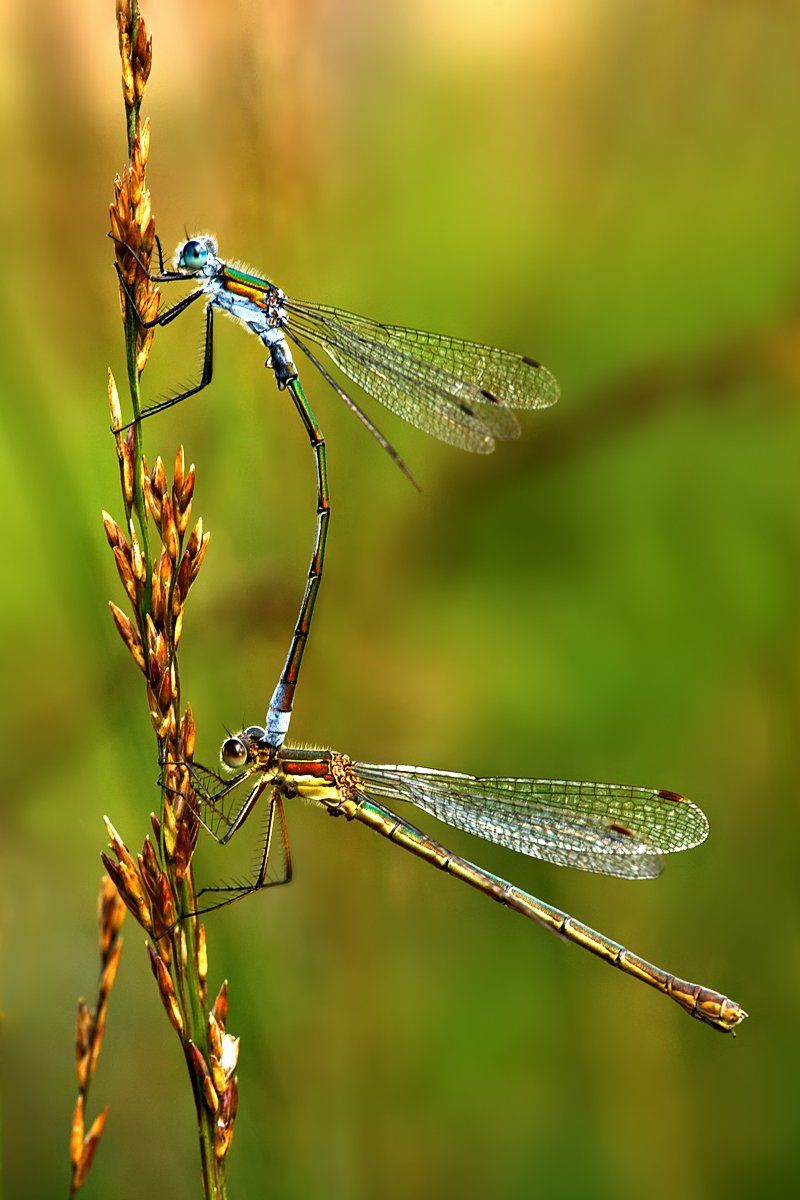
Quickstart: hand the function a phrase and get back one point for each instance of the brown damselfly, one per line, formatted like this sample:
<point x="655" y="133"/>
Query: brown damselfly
<point x="611" y="829"/>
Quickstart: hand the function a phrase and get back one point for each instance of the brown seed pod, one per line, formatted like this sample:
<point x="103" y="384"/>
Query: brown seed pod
<point x="166" y="989"/>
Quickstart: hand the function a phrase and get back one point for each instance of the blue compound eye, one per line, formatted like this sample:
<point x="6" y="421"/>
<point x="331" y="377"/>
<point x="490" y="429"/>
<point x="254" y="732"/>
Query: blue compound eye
<point x="193" y="255"/>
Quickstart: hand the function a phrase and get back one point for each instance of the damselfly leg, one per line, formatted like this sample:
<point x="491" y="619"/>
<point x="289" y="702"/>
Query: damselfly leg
<point x="274" y="844"/>
<point x="219" y="808"/>
<point x="165" y="318"/>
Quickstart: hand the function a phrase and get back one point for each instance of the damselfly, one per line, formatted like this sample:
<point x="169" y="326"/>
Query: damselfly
<point x="607" y="828"/>
<point x="459" y="391"/>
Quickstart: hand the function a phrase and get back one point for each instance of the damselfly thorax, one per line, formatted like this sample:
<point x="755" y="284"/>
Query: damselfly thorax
<point x="255" y="303"/>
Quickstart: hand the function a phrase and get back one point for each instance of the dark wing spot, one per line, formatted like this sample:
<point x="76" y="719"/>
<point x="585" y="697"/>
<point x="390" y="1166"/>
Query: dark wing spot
<point x="675" y="797"/>
<point x="621" y="829"/>
<point x="465" y="408"/>
<point x="490" y="396"/>
<point x="531" y="362"/>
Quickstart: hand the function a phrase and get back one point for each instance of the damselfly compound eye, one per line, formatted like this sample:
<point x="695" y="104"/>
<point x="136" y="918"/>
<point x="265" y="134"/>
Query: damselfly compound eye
<point x="233" y="752"/>
<point x="193" y="255"/>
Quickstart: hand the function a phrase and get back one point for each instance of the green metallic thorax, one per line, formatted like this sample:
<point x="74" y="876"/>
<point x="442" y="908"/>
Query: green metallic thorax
<point x="255" y="281"/>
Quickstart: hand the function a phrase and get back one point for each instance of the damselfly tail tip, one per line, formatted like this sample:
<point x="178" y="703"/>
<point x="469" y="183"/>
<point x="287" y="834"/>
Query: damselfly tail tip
<point x="721" y="1013"/>
<point x="736" y="1014"/>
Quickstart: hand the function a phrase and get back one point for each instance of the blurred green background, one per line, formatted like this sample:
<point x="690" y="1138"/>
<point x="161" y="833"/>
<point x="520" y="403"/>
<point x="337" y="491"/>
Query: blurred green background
<point x="612" y="187"/>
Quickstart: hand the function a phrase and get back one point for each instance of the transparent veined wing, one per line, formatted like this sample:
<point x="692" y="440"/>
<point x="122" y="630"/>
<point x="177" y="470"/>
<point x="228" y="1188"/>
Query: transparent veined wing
<point x="514" y="380"/>
<point x="459" y="391"/>
<point x="610" y="829"/>
<point x="422" y="395"/>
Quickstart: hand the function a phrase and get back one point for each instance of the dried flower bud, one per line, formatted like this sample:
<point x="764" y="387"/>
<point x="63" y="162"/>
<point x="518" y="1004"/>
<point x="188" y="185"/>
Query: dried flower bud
<point x="204" y="1078"/>
<point x="166" y="904"/>
<point x="114" y="409"/>
<point x="109" y="973"/>
<point x="90" y="1144"/>
<point x="217" y="1074"/>
<point x="152" y="499"/>
<point x="187" y="735"/>
<point x="133" y="889"/>
<point x="230" y="1054"/>
<point x="159" y="478"/>
<point x="165" y="570"/>
<point x="185" y="842"/>
<point x="150" y="869"/>
<point x="220" y="1009"/>
<point x="188" y="487"/>
<point x="114" y="535"/>
<point x="226" y="1118"/>
<point x="142" y="58"/>
<point x="84" y="1030"/>
<point x="223" y="1064"/>
<point x="129" y="635"/>
<point x="144" y="141"/>
<point x="117" y="844"/>
<point x="169" y="826"/>
<point x="166" y="990"/>
<point x="76" y="1134"/>
<point x="110" y="914"/>
<point x="127" y="72"/>
<point x="137" y="562"/>
<point x="214" y="1036"/>
<point x="169" y="530"/>
<point x="178" y="476"/>
<point x="126" y="574"/>
<point x="144" y="351"/>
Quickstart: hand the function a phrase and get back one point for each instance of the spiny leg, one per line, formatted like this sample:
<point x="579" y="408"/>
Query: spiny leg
<point x="211" y="813"/>
<point x="276" y="828"/>
<point x="206" y="796"/>
<point x="166" y="315"/>
<point x="280" y="706"/>
<point x="163" y="276"/>
<point x="204" y="381"/>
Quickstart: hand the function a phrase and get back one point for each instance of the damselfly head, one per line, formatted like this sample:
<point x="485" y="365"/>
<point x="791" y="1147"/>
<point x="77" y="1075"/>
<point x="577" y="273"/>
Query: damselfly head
<point x="244" y="749"/>
<point x="193" y="254"/>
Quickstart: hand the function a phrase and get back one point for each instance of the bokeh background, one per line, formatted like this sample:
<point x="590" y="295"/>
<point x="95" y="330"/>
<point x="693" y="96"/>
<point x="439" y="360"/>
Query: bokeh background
<point x="612" y="187"/>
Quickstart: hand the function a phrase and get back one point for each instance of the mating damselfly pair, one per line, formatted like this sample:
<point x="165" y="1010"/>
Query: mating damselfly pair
<point x="462" y="393"/>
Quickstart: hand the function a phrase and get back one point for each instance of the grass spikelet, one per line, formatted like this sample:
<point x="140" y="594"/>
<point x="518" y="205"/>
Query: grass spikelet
<point x="89" y="1029"/>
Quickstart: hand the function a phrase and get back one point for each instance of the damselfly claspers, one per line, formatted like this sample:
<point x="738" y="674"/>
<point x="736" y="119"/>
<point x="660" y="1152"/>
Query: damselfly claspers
<point x="459" y="391"/>
<point x="607" y="828"/>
